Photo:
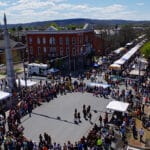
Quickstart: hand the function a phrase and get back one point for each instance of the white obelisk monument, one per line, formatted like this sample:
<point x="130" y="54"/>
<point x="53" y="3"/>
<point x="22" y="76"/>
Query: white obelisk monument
<point x="9" y="62"/>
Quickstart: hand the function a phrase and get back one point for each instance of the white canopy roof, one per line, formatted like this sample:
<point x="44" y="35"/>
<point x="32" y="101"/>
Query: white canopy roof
<point x="115" y="66"/>
<point x="120" y="61"/>
<point x="29" y="83"/>
<point x="136" y="72"/>
<point x="92" y="84"/>
<point x="118" y="106"/>
<point x="4" y="95"/>
<point x="117" y="51"/>
<point x="129" y="54"/>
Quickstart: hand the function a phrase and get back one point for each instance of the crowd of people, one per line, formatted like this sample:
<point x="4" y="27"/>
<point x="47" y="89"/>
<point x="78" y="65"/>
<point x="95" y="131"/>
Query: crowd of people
<point x="101" y="136"/>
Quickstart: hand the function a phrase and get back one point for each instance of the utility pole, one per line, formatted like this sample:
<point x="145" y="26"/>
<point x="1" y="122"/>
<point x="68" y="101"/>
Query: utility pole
<point x="9" y="62"/>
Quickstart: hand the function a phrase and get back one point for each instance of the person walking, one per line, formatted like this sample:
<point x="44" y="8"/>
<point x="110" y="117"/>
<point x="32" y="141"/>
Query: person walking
<point x="141" y="133"/>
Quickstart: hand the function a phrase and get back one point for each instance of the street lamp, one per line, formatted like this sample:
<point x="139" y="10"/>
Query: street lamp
<point x="25" y="76"/>
<point x="24" y="71"/>
<point x="139" y="72"/>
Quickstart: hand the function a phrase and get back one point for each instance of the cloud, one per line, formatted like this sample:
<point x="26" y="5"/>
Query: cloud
<point x="23" y="11"/>
<point x="139" y="4"/>
<point x="3" y="4"/>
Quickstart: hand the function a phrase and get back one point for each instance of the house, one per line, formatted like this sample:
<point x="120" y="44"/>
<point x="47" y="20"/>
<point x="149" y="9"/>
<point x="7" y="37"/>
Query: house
<point x="18" y="51"/>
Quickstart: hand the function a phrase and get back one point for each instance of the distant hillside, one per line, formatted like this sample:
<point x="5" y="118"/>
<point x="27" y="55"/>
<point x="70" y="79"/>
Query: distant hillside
<point x="80" y="21"/>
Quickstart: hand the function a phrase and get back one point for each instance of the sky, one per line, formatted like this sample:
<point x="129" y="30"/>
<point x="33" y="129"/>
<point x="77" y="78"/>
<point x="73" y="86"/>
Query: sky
<point x="24" y="11"/>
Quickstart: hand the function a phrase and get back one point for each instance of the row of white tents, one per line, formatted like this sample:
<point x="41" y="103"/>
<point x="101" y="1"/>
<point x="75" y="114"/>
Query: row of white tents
<point x="118" y="63"/>
<point x="113" y="105"/>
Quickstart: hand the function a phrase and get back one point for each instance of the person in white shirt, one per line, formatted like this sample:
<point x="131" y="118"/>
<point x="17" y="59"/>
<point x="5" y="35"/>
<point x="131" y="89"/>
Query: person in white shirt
<point x="141" y="133"/>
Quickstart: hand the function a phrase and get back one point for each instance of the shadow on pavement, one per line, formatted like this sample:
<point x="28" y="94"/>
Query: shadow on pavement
<point x="57" y="118"/>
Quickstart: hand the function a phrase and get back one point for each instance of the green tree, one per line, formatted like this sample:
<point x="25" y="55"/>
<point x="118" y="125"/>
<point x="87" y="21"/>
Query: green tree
<point x="145" y="50"/>
<point x="54" y="24"/>
<point x="127" y="34"/>
<point x="19" y="28"/>
<point x="147" y="32"/>
<point x="71" y="27"/>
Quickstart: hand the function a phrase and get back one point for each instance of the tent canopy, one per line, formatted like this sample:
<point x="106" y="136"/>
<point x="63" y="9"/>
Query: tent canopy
<point x="29" y="83"/>
<point x="118" y="106"/>
<point x="137" y="72"/>
<point x="96" y="65"/>
<point x="92" y="85"/>
<point x="115" y="66"/>
<point x="4" y="95"/>
<point x="53" y="70"/>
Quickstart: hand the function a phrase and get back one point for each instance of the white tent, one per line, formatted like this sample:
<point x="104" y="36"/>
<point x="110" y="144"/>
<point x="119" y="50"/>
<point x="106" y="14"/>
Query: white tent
<point x="115" y="67"/>
<point x="29" y="83"/>
<point x="118" y="106"/>
<point x="137" y="72"/>
<point x="4" y="95"/>
<point x="92" y="85"/>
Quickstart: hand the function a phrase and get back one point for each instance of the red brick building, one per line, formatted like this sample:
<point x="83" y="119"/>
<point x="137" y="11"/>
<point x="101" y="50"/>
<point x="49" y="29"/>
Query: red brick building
<point x="72" y="44"/>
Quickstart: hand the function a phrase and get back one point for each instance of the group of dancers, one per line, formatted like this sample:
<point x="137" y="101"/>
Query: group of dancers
<point x="87" y="115"/>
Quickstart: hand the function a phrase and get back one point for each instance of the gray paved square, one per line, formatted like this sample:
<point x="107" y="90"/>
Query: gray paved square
<point x="44" y="118"/>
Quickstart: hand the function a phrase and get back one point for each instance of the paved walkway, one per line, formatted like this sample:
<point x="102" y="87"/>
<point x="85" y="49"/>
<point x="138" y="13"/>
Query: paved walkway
<point x="44" y="118"/>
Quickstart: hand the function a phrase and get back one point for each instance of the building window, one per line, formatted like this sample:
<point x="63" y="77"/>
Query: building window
<point x="31" y="50"/>
<point x="74" y="52"/>
<point x="67" y="40"/>
<point x="67" y="51"/>
<point x="52" y="40"/>
<point x="44" y="40"/>
<point x="45" y="50"/>
<point x="61" y="41"/>
<point x="81" y="50"/>
<point x="86" y="39"/>
<point x="39" y="51"/>
<point x="80" y="39"/>
<point x="53" y="49"/>
<point x="61" y="51"/>
<point x="73" y="40"/>
<point x="30" y="40"/>
<point x="38" y="40"/>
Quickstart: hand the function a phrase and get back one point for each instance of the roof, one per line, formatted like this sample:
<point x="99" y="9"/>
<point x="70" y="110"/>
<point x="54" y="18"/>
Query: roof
<point x="51" y="28"/>
<point x="119" y="50"/>
<point x="13" y="44"/>
<point x="115" y="66"/>
<point x="29" y="83"/>
<point x="4" y="95"/>
<point x="92" y="85"/>
<point x="118" y="106"/>
<point x="136" y="72"/>
<point x="38" y="65"/>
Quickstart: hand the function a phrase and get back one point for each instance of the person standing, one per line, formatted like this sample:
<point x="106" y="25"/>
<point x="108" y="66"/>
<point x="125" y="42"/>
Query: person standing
<point x="141" y="133"/>
<point x="75" y="116"/>
<point x="30" y="108"/>
<point x="100" y="120"/>
<point x="84" y="112"/>
<point x="79" y="117"/>
<point x="90" y="117"/>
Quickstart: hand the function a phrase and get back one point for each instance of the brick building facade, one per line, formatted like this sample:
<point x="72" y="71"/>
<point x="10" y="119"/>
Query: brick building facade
<point x="74" y="45"/>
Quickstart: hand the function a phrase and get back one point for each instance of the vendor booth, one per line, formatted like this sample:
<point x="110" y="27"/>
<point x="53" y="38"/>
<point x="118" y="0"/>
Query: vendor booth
<point x="119" y="109"/>
<point x="93" y="85"/>
<point x="118" y="106"/>
<point x="53" y="70"/>
<point x="4" y="99"/>
<point x="115" y="67"/>
<point x="23" y="83"/>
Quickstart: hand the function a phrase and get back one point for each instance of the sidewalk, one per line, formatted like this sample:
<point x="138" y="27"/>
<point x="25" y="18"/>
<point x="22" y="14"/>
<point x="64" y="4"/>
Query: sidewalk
<point x="136" y="143"/>
<point x="2" y="76"/>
